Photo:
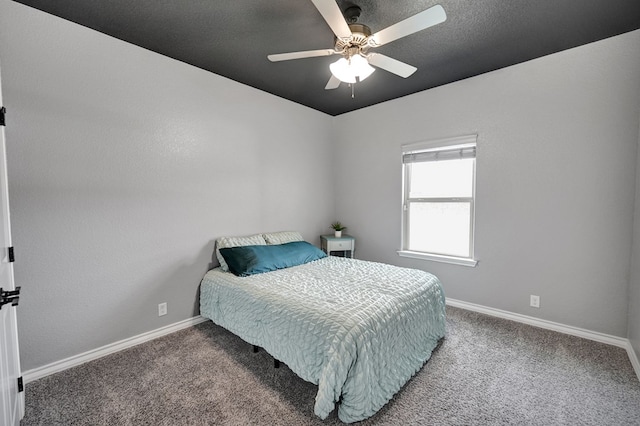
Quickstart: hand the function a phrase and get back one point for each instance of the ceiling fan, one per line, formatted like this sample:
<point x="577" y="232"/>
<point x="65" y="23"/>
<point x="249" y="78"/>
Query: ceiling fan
<point x="353" y="41"/>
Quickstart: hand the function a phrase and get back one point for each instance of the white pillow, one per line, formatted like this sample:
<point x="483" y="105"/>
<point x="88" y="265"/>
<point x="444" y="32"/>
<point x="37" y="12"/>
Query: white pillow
<point x="282" y="237"/>
<point x="223" y="242"/>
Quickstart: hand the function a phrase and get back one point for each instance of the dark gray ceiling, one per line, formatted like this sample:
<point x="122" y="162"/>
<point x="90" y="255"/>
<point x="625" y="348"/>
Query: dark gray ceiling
<point x="232" y="38"/>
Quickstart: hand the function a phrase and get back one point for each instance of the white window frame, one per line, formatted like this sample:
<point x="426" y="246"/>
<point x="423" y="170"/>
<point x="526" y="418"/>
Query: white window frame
<point x="461" y="142"/>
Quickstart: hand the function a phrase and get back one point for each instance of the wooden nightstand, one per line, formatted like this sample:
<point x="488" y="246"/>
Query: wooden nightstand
<point x="338" y="246"/>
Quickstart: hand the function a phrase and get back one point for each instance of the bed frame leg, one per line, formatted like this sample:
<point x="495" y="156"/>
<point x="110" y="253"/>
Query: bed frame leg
<point x="276" y="363"/>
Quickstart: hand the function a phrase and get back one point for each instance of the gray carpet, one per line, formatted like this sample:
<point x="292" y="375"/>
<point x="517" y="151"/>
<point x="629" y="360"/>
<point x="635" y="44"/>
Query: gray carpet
<point x="487" y="371"/>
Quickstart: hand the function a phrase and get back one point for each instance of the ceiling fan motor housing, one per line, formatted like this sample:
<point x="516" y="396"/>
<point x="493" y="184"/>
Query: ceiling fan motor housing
<point x="359" y="39"/>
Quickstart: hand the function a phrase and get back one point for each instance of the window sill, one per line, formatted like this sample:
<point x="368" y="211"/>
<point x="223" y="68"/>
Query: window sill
<point x="464" y="261"/>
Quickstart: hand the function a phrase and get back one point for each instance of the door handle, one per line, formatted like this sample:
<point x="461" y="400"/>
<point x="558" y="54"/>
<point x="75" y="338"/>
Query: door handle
<point x="9" y="296"/>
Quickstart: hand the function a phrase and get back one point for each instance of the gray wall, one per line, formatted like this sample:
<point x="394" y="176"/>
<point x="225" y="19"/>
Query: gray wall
<point x="634" y="283"/>
<point x="124" y="166"/>
<point x="556" y="160"/>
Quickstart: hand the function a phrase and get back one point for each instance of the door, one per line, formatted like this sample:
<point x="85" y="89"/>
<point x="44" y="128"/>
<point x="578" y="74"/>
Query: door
<point x="11" y="400"/>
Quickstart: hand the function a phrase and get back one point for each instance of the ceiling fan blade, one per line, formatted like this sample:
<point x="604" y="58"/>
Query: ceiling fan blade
<point x="392" y="65"/>
<point x="333" y="15"/>
<point x="423" y="20"/>
<point x="300" y="55"/>
<point x="333" y="83"/>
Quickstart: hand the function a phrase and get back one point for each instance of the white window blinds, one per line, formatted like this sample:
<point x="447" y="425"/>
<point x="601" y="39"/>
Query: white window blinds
<point x="453" y="153"/>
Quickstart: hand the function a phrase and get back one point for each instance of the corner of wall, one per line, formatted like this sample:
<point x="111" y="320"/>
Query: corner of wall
<point x="633" y="291"/>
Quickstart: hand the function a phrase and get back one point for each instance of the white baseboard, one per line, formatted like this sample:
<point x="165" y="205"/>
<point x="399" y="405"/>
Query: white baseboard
<point x="554" y="326"/>
<point x="537" y="322"/>
<point x="55" y="367"/>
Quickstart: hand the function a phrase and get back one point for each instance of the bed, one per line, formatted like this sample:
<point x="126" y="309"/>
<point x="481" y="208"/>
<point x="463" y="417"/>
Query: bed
<point x="357" y="329"/>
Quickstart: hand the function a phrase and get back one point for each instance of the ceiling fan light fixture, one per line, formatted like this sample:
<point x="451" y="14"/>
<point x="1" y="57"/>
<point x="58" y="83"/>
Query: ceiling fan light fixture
<point x="361" y="67"/>
<point x="342" y="71"/>
<point x="347" y="70"/>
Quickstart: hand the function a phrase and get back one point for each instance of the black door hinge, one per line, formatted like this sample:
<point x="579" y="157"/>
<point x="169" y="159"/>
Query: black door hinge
<point x="3" y="112"/>
<point x="20" y="385"/>
<point x="9" y="296"/>
<point x="11" y="255"/>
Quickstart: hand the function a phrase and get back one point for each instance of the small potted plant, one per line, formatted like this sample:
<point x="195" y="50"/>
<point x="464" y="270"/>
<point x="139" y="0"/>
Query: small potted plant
<point x="338" y="228"/>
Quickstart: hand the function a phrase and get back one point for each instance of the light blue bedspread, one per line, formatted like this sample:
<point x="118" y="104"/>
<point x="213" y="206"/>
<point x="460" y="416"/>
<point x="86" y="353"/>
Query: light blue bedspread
<point x="357" y="329"/>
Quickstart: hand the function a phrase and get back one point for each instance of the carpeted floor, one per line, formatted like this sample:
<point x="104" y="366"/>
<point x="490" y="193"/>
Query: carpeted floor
<point x="488" y="371"/>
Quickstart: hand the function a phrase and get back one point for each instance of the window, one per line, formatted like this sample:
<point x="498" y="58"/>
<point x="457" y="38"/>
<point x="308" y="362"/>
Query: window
<point x="438" y="201"/>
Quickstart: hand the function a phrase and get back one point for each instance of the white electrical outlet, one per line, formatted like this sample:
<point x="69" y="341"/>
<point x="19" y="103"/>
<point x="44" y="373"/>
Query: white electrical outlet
<point x="534" y="301"/>
<point x="162" y="309"/>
